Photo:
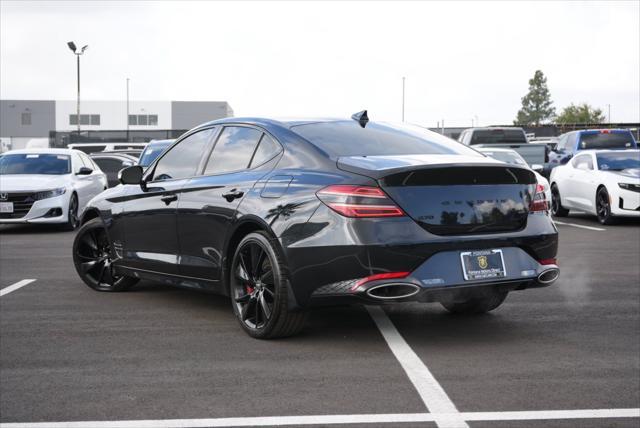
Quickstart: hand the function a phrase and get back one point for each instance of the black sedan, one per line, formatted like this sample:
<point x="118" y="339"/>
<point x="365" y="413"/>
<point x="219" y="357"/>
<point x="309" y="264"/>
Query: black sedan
<point x="285" y="215"/>
<point x="111" y="163"/>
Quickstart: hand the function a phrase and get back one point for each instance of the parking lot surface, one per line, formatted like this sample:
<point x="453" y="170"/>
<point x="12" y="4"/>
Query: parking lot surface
<point x="68" y="353"/>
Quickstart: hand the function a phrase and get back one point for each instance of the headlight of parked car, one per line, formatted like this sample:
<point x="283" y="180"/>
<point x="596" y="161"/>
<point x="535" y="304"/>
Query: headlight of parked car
<point x="49" y="193"/>
<point x="630" y="186"/>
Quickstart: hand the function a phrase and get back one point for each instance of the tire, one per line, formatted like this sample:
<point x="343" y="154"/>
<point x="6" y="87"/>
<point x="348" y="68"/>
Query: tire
<point x="556" y="203"/>
<point x="92" y="259"/>
<point x="72" y="214"/>
<point x="258" y="286"/>
<point x="603" y="207"/>
<point x="477" y="305"/>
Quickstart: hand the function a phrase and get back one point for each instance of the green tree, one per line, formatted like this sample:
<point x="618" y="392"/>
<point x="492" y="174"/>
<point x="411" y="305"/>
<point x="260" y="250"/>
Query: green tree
<point x="581" y="113"/>
<point x="537" y="106"/>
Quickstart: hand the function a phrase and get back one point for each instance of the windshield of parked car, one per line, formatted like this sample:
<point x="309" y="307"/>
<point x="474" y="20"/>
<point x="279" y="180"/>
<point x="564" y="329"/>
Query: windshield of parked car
<point x="618" y="161"/>
<point x="35" y="163"/>
<point x="608" y="140"/>
<point x="498" y="136"/>
<point x="348" y="138"/>
<point x="510" y="157"/>
<point x="151" y="153"/>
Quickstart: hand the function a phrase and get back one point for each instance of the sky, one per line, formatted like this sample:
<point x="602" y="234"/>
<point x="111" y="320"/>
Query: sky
<point x="462" y="61"/>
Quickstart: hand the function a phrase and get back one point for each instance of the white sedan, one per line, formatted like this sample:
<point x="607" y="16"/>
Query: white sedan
<point x="513" y="157"/>
<point x="47" y="186"/>
<point x="601" y="182"/>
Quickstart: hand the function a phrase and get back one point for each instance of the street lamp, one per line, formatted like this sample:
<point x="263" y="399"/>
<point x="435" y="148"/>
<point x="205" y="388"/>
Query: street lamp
<point x="77" y="53"/>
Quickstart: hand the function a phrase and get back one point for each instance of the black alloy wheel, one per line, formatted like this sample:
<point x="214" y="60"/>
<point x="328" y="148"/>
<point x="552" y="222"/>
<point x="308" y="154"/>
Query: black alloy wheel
<point x="93" y="260"/>
<point x="603" y="206"/>
<point x="258" y="285"/>
<point x="556" y="205"/>
<point x="72" y="213"/>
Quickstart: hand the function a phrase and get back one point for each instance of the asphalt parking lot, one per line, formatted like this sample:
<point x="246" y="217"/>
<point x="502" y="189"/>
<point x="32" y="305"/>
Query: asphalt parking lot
<point x="70" y="354"/>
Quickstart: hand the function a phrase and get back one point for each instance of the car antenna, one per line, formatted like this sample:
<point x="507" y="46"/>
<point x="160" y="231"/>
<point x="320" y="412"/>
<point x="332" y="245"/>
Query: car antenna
<point x="361" y="117"/>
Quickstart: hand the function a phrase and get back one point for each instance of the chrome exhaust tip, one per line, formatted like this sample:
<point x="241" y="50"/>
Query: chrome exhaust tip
<point x="393" y="291"/>
<point x="549" y="276"/>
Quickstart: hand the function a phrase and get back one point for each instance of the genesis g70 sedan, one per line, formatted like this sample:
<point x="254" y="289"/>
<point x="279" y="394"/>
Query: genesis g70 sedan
<point x="285" y="215"/>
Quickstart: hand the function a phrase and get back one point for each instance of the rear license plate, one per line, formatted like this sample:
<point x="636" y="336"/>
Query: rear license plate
<point x="6" y="207"/>
<point x="484" y="264"/>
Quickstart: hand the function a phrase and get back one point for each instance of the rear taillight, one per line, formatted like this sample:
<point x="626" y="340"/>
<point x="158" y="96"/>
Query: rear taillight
<point x="548" y="261"/>
<point x="539" y="202"/>
<point x="359" y="201"/>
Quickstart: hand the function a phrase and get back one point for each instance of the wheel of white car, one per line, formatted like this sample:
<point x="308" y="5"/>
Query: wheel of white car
<point x="603" y="206"/>
<point x="556" y="204"/>
<point x="72" y="213"/>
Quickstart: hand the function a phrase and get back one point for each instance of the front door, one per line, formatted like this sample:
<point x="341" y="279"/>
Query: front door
<point x="150" y="213"/>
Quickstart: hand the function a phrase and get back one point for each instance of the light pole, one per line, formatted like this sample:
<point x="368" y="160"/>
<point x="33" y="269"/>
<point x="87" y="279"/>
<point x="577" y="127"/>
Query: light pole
<point x="77" y="53"/>
<point x="403" y="99"/>
<point x="609" y="113"/>
<point x="127" y="109"/>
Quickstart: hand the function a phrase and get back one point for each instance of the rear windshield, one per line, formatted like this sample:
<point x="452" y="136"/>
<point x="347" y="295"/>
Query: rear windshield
<point x="151" y="153"/>
<point x="498" y="136"/>
<point x="611" y="140"/>
<point x="348" y="138"/>
<point x="35" y="163"/>
<point x="512" y="158"/>
<point x="618" y="161"/>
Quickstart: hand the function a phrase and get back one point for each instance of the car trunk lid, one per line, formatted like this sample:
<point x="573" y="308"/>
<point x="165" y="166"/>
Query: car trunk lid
<point x="452" y="195"/>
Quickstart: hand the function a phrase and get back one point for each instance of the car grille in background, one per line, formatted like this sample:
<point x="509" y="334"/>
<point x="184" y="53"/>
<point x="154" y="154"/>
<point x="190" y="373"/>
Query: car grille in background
<point x="22" y="203"/>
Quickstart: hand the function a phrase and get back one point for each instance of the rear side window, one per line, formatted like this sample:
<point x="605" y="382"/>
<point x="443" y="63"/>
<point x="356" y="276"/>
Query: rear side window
<point x="348" y="138"/>
<point x="233" y="150"/>
<point x="608" y="140"/>
<point x="183" y="159"/>
<point x="582" y="160"/>
<point x="267" y="150"/>
<point x="110" y="165"/>
<point x="498" y="136"/>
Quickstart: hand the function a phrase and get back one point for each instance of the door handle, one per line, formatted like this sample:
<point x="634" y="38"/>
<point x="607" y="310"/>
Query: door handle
<point x="167" y="199"/>
<point x="233" y="194"/>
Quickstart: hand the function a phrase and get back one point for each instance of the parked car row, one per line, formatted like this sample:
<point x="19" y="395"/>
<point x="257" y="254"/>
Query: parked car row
<point x="594" y="170"/>
<point x="55" y="185"/>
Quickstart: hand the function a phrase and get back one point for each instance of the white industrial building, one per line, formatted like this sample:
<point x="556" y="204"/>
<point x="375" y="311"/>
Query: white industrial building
<point x="35" y="123"/>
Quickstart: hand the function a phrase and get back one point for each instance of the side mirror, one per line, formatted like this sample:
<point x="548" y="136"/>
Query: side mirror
<point x="130" y="175"/>
<point x="84" y="171"/>
<point x="537" y="167"/>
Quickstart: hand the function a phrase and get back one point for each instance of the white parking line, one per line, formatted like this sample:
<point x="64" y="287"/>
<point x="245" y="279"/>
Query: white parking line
<point x="14" y="287"/>
<point x="432" y="394"/>
<point x="579" y="225"/>
<point x="340" y="419"/>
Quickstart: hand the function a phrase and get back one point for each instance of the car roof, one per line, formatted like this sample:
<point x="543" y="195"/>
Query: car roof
<point x="44" y="151"/>
<point x="495" y="149"/>
<point x="282" y="122"/>
<point x="592" y="151"/>
<point x="111" y="155"/>
<point x="489" y="128"/>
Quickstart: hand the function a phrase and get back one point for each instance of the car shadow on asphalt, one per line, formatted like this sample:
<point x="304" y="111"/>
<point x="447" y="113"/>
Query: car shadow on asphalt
<point x="24" y="229"/>
<point x="325" y="325"/>
<point x="591" y="220"/>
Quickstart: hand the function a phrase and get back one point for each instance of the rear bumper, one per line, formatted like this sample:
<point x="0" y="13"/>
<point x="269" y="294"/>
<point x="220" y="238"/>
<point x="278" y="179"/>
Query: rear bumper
<point x="332" y="249"/>
<point x="440" y="278"/>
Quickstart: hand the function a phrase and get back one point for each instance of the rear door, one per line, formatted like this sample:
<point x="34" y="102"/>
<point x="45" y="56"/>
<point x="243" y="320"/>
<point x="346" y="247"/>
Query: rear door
<point x="150" y="210"/>
<point x="209" y="202"/>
